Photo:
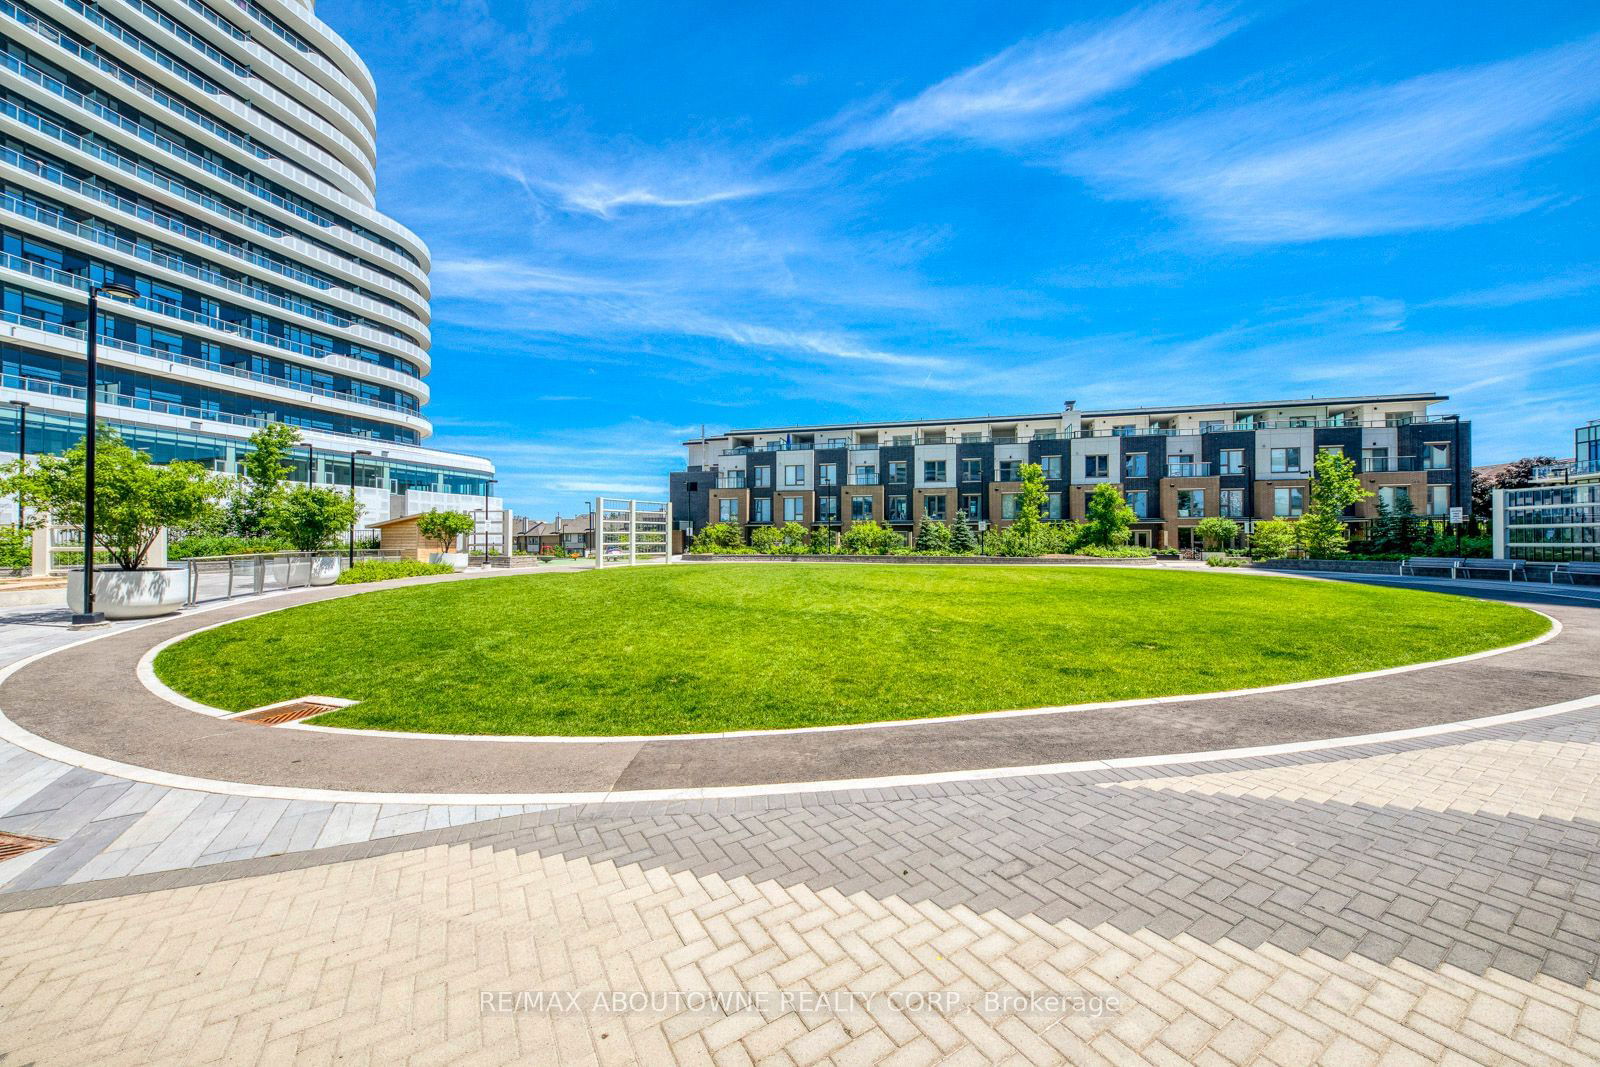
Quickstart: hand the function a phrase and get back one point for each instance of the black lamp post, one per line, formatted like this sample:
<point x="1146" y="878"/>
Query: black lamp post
<point x="117" y="291"/>
<point x="22" y="450"/>
<point x="311" y="464"/>
<point x="353" y="455"/>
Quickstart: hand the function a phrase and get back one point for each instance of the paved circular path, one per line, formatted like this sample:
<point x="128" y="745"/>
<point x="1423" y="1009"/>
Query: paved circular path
<point x="86" y="697"/>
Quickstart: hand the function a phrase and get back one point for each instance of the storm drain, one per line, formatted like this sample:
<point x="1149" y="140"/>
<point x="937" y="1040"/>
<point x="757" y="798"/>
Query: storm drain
<point x="12" y="845"/>
<point x="285" y="713"/>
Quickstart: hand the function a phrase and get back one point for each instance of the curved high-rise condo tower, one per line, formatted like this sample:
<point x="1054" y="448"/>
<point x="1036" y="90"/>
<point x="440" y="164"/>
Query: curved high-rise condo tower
<point x="218" y="156"/>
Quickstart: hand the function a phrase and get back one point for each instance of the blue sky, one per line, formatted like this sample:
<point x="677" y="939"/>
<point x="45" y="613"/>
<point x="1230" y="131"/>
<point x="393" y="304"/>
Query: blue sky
<point x="645" y="217"/>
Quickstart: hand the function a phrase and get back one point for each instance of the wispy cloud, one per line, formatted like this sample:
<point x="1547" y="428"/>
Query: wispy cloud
<point x="1432" y="151"/>
<point x="1042" y="86"/>
<point x="1528" y="292"/>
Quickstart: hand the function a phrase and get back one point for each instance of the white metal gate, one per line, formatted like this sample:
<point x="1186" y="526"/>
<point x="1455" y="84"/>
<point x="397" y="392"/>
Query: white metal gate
<point x="632" y="531"/>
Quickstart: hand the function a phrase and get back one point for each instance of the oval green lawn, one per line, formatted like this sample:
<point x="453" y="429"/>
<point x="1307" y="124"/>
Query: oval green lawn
<point x="726" y="647"/>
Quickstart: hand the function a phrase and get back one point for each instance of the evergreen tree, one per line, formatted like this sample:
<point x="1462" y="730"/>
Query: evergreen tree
<point x="962" y="540"/>
<point x="1407" y="529"/>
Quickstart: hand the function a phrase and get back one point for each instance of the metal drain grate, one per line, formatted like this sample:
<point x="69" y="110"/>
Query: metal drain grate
<point x="277" y="716"/>
<point x="12" y="845"/>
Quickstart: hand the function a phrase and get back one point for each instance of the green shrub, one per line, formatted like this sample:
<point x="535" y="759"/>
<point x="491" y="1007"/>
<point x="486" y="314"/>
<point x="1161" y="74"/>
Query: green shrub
<point x="1225" y="561"/>
<point x="870" y="539"/>
<point x="224" y="545"/>
<point x="1119" y="552"/>
<point x="16" y="549"/>
<point x="720" y="538"/>
<point x="373" y="570"/>
<point x="1273" y="539"/>
<point x="792" y="539"/>
<point x="1061" y="538"/>
<point x="766" y="540"/>
<point x="821" y="542"/>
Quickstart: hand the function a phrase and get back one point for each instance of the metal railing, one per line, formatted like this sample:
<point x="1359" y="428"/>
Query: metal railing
<point x="1188" y="470"/>
<point x="259" y="572"/>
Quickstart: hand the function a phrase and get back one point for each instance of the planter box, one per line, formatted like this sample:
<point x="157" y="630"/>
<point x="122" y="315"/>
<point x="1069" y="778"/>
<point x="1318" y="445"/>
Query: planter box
<point x="139" y="594"/>
<point x="324" y="570"/>
<point x="458" y="560"/>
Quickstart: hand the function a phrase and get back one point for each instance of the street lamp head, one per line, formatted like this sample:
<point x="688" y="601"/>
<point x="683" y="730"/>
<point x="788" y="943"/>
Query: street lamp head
<point x="118" y="291"/>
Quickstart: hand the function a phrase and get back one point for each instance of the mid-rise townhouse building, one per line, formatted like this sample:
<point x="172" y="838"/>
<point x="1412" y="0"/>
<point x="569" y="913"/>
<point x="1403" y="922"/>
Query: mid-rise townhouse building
<point x="1175" y="465"/>
<point x="218" y="157"/>
<point x="1557" y="519"/>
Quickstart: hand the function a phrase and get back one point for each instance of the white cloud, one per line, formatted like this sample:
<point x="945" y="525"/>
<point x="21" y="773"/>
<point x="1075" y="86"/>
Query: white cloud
<point x="1040" y="86"/>
<point x="1514" y="293"/>
<point x="1424" y="153"/>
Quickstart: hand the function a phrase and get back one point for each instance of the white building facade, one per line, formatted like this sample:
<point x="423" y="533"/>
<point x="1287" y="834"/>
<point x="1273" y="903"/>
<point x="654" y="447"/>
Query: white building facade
<point x="219" y="158"/>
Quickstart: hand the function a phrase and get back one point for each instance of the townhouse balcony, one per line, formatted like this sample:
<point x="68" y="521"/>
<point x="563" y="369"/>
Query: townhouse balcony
<point x="864" y="479"/>
<point x="1189" y="470"/>
<point x="1400" y="463"/>
<point x="1262" y="424"/>
<point x="729" y="482"/>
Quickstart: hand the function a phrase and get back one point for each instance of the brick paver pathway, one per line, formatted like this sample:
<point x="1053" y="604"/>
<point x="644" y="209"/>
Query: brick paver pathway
<point x="1429" y="901"/>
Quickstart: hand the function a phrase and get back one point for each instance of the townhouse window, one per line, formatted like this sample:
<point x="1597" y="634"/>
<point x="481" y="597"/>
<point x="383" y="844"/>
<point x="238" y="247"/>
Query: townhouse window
<point x="1136" y="465"/>
<point x="934" y="507"/>
<point x="1230" y="461"/>
<point x="1008" y="505"/>
<point x="1182" y="465"/>
<point x="761" y="509"/>
<point x="1285" y="460"/>
<point x="933" y="470"/>
<point x="1438" y="500"/>
<point x="761" y="477"/>
<point x="972" y="470"/>
<point x="731" y="480"/>
<point x="1046" y="435"/>
<point x="1009" y="470"/>
<point x="1096" y="466"/>
<point x="794" y="509"/>
<point x="1052" y="506"/>
<point x="1230" y="503"/>
<point x="1392" y="495"/>
<point x="860" y="508"/>
<point x="1288" y="503"/>
<point x="1210" y="425"/>
<point x="1337" y="450"/>
<point x="727" y="510"/>
<point x="828" y="508"/>
<point x="970" y="504"/>
<point x="1123" y="431"/>
<point x="1435" y="457"/>
<point x="1052" y="467"/>
<point x="897" y="470"/>
<point x="827" y="474"/>
<point x="1191" y="503"/>
<point x="898" y="509"/>
<point x="1139" y="501"/>
<point x="794" y="474"/>
<point x="1246" y="422"/>
<point x="865" y="474"/>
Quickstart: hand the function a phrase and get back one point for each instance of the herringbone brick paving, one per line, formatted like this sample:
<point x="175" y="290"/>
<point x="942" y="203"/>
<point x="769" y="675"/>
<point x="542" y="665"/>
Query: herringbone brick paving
<point x="1434" y="901"/>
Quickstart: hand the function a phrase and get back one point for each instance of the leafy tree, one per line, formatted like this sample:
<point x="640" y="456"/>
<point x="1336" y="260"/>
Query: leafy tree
<point x="792" y="538"/>
<point x="309" y="518"/>
<point x="1109" y="518"/>
<point x="933" y="537"/>
<point x="1334" y="489"/>
<point x="133" y="497"/>
<point x="1031" y="505"/>
<point x="265" y="467"/>
<point x="765" y="539"/>
<point x="821" y="542"/>
<point x="1273" y="539"/>
<point x="443" y="527"/>
<point x="962" y="540"/>
<point x="720" y="537"/>
<point x="1217" y="533"/>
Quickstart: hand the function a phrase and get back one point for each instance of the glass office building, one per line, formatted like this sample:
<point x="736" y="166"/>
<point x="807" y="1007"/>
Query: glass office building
<point x="217" y="156"/>
<point x="1557" y="520"/>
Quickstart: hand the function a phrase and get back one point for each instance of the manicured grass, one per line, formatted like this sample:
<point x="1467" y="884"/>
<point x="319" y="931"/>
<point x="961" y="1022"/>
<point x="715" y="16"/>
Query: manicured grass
<point x="721" y="647"/>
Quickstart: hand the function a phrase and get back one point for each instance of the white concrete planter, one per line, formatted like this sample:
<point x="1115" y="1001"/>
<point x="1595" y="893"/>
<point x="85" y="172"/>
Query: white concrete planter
<point x="324" y="570"/>
<point x="458" y="560"/>
<point x="138" y="594"/>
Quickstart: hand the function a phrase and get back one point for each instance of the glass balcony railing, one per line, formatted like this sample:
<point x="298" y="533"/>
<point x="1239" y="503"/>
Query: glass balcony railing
<point x="1189" y="470"/>
<point x="201" y="364"/>
<point x="139" y="403"/>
